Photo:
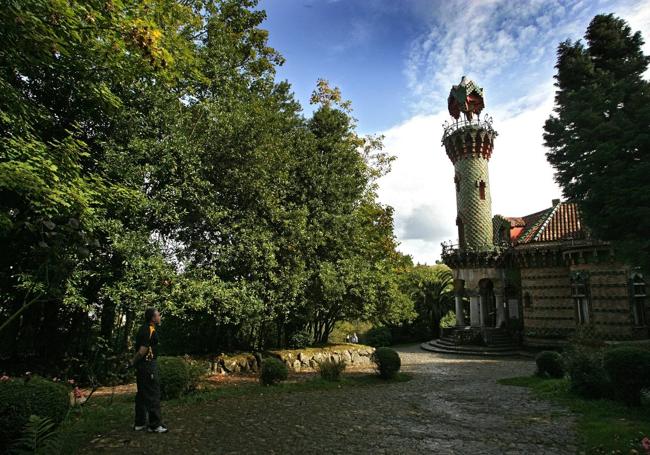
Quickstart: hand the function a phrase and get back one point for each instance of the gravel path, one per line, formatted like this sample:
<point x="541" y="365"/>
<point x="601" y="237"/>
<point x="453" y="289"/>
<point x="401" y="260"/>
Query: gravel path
<point x="451" y="406"/>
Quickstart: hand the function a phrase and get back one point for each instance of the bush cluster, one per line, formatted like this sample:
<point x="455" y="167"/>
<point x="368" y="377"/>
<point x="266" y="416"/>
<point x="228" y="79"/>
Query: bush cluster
<point x="549" y="364"/>
<point x="178" y="376"/>
<point x="628" y="369"/>
<point x="273" y="371"/>
<point x="387" y="362"/>
<point x="620" y="373"/>
<point x="301" y="339"/>
<point x="174" y="377"/>
<point x="331" y="369"/>
<point x="586" y="372"/>
<point x="20" y="398"/>
<point x="378" y="336"/>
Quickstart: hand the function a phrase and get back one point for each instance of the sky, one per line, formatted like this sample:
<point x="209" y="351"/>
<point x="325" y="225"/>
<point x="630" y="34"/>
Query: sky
<point x="396" y="61"/>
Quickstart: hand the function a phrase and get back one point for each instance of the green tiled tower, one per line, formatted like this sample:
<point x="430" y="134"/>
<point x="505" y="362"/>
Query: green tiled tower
<point x="469" y="143"/>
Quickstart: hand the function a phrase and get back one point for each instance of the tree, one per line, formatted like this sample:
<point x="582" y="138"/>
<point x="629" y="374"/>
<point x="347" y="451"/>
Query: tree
<point x="431" y="289"/>
<point x="148" y="156"/>
<point x="599" y="134"/>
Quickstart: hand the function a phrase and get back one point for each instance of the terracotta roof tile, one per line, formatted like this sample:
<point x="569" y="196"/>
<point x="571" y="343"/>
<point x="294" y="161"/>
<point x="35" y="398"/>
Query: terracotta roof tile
<point x="560" y="222"/>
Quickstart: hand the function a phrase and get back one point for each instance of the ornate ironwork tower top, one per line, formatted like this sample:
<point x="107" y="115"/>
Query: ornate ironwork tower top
<point x="466" y="97"/>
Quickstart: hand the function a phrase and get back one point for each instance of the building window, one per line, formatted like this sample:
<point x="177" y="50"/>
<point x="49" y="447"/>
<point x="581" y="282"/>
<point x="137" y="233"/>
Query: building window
<point x="457" y="182"/>
<point x="461" y="231"/>
<point x="580" y="296"/>
<point x="481" y="189"/>
<point x="638" y="299"/>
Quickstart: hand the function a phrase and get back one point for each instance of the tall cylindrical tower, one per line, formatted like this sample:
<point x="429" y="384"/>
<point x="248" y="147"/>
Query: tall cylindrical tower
<point x="469" y="143"/>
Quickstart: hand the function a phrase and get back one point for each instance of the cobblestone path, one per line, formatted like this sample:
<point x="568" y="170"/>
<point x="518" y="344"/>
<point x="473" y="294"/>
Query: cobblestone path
<point x="451" y="406"/>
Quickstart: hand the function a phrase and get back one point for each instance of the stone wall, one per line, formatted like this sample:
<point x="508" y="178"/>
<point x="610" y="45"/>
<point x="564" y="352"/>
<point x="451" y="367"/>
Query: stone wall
<point x="296" y="359"/>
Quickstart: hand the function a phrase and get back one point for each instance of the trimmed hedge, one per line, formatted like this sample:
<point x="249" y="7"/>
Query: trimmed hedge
<point x="387" y="362"/>
<point x="174" y="377"/>
<point x="587" y="374"/>
<point x="273" y="371"/>
<point x="549" y="364"/>
<point x="20" y="398"/>
<point x="629" y="372"/>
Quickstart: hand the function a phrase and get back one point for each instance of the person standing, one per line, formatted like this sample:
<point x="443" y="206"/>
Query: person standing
<point x="147" y="398"/>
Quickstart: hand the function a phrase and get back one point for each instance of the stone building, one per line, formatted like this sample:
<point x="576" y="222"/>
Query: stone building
<point x="533" y="279"/>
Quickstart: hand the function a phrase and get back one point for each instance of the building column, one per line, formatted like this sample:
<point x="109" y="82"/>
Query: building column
<point x="513" y="308"/>
<point x="501" y="313"/>
<point x="474" y="316"/>
<point x="482" y="309"/>
<point x="460" y="317"/>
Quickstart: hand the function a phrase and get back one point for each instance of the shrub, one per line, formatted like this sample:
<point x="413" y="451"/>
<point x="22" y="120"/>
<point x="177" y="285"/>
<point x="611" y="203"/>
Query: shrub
<point x="387" y="362"/>
<point x="301" y="339"/>
<point x="20" y="399"/>
<point x="331" y="369"/>
<point x="448" y="320"/>
<point x="174" y="377"/>
<point x="629" y="371"/>
<point x="196" y="370"/>
<point x="273" y="371"/>
<point x="549" y="364"/>
<point x="587" y="374"/>
<point x="378" y="336"/>
<point x="39" y="436"/>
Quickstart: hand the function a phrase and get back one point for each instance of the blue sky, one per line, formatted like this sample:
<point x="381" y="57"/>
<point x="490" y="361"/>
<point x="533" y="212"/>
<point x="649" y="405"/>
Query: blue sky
<point x="396" y="60"/>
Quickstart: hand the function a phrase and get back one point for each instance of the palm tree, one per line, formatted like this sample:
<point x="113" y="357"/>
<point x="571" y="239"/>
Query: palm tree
<point x="431" y="288"/>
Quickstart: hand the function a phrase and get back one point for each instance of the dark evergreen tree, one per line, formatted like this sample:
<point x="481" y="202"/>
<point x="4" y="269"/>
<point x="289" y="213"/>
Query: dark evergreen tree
<point x="599" y="134"/>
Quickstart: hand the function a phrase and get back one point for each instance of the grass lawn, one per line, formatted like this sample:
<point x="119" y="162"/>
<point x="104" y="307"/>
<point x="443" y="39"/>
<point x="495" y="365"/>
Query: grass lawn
<point x="604" y="426"/>
<point x="103" y="414"/>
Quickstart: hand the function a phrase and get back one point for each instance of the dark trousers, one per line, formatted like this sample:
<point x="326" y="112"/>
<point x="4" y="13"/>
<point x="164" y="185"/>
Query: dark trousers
<point x="147" y="400"/>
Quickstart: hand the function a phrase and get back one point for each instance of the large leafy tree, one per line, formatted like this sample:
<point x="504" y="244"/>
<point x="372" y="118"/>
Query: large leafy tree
<point x="149" y="156"/>
<point x="599" y="134"/>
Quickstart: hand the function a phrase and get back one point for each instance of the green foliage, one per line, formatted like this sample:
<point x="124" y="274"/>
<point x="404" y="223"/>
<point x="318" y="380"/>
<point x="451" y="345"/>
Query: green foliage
<point x="448" y="320"/>
<point x="378" y="336"/>
<point x="149" y="157"/>
<point x="39" y="436"/>
<point x="273" y="371"/>
<point x="331" y="369"/>
<point x="196" y="371"/>
<point x="387" y="362"/>
<point x="20" y="399"/>
<point x="301" y="339"/>
<point x="587" y="374"/>
<point x="597" y="135"/>
<point x="629" y="372"/>
<point x="431" y="290"/>
<point x="549" y="364"/>
<point x="174" y="377"/>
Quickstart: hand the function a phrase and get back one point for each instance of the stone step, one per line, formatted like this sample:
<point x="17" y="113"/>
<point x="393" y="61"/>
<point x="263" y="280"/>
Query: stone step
<point x="451" y="343"/>
<point x="469" y="347"/>
<point x="477" y="351"/>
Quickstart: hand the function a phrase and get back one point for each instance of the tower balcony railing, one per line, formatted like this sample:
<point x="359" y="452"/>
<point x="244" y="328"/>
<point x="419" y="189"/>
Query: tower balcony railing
<point x="474" y="123"/>
<point x="450" y="248"/>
